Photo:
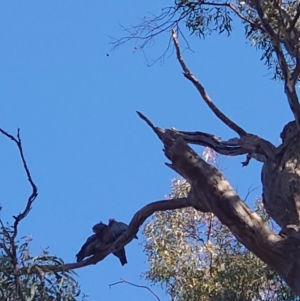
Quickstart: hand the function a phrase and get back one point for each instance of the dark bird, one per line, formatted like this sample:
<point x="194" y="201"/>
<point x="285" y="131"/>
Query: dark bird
<point x="100" y="229"/>
<point x="89" y="248"/>
<point x="92" y="244"/>
<point x="118" y="228"/>
<point x="106" y="236"/>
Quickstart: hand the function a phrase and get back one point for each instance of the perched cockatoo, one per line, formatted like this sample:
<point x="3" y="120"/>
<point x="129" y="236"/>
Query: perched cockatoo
<point x="117" y="228"/>
<point x="89" y="248"/>
<point x="102" y="237"/>
<point x="106" y="236"/>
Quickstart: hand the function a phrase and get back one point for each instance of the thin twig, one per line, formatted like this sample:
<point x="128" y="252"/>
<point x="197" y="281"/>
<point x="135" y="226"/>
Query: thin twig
<point x="250" y="190"/>
<point x="34" y="192"/>
<point x="188" y="74"/>
<point x="151" y="28"/>
<point x="135" y="285"/>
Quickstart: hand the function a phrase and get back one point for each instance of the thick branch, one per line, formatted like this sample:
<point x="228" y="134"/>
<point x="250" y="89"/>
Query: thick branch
<point x="188" y="74"/>
<point x="213" y="191"/>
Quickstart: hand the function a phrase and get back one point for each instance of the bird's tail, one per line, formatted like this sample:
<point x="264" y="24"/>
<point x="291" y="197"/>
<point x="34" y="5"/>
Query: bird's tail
<point x="80" y="256"/>
<point x="123" y="260"/>
<point x="122" y="256"/>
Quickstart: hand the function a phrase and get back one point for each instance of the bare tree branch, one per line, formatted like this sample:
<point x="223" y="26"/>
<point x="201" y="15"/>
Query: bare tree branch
<point x="152" y="27"/>
<point x="135" y="285"/>
<point x="188" y="74"/>
<point x="34" y="192"/>
<point x="250" y="190"/>
<point x="250" y="144"/>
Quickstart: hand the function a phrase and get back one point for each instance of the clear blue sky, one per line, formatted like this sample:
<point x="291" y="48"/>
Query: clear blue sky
<point x="90" y="155"/>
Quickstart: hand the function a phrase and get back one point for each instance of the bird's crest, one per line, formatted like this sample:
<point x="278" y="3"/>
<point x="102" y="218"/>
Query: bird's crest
<point x="110" y="221"/>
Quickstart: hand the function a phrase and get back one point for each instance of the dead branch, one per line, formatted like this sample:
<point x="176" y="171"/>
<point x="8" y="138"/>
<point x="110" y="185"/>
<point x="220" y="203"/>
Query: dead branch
<point x="135" y="285"/>
<point x="188" y="74"/>
<point x="34" y="192"/>
<point x="252" y="145"/>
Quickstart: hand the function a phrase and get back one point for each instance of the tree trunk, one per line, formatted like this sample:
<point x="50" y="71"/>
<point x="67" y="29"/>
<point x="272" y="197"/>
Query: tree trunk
<point x="281" y="180"/>
<point x="213" y="192"/>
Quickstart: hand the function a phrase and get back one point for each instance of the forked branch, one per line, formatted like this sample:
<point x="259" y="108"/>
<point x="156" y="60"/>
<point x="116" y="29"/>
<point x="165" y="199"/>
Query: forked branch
<point x="189" y="75"/>
<point x="252" y="145"/>
<point x="34" y="192"/>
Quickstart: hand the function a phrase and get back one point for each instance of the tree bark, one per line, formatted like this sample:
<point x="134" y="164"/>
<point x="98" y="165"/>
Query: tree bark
<point x="213" y="192"/>
<point x="281" y="179"/>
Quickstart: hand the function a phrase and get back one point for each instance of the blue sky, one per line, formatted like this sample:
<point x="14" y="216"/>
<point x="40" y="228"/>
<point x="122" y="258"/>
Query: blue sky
<point x="90" y="155"/>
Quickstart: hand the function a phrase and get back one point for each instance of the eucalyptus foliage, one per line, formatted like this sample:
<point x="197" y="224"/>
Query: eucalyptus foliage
<point x="19" y="279"/>
<point x="202" y="18"/>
